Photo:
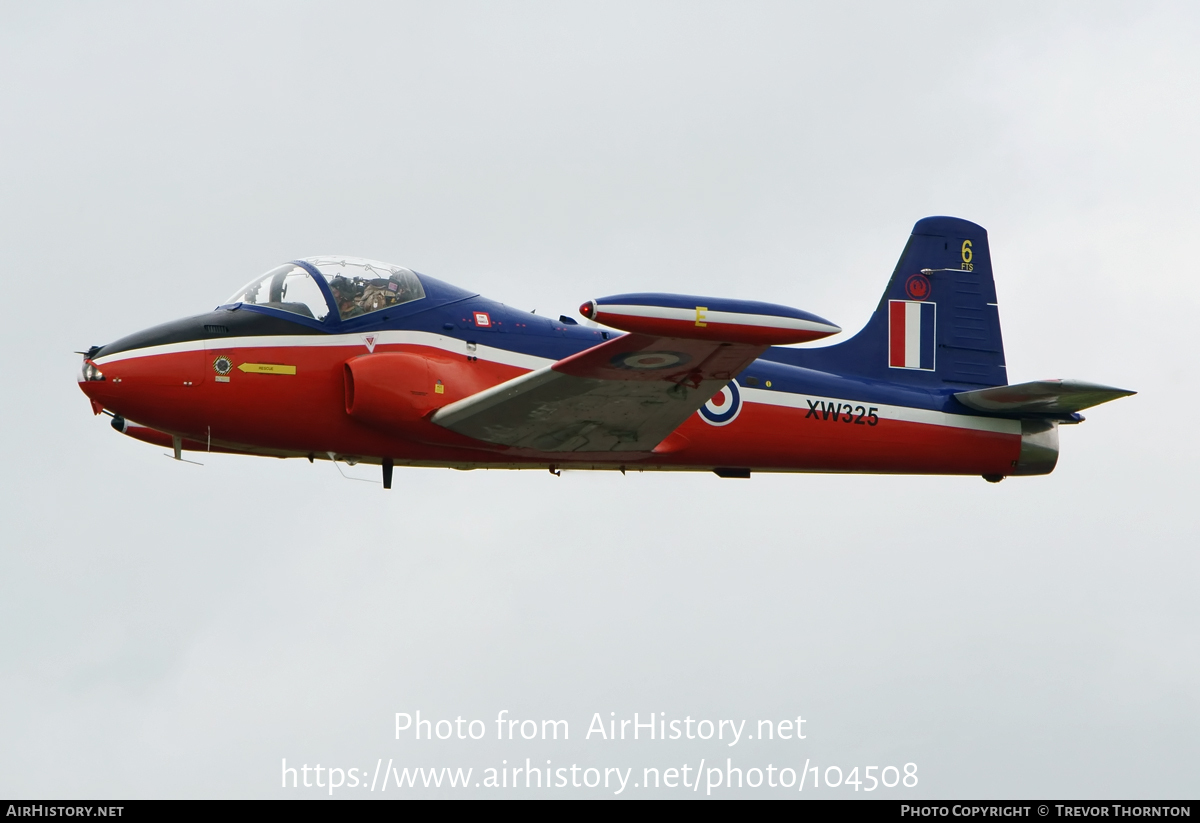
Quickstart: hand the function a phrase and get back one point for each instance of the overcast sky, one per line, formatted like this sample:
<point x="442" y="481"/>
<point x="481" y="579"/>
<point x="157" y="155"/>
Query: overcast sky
<point x="168" y="630"/>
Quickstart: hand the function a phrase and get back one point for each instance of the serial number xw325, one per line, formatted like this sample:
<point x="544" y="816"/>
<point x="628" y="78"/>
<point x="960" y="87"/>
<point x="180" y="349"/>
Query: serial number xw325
<point x="845" y="412"/>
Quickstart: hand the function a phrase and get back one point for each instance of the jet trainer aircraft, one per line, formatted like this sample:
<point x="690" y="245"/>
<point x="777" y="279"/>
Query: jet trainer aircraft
<point x="359" y="361"/>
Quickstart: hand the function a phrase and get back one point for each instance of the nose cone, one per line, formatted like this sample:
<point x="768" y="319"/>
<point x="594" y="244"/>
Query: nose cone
<point x="93" y="382"/>
<point x="152" y="376"/>
<point x="158" y="386"/>
<point x="157" y="376"/>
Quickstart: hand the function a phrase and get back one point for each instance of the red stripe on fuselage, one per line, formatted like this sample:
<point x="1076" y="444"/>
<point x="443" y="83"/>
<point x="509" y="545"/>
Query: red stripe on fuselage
<point x="783" y="437"/>
<point x="301" y="412"/>
<point x="764" y="335"/>
<point x="305" y="412"/>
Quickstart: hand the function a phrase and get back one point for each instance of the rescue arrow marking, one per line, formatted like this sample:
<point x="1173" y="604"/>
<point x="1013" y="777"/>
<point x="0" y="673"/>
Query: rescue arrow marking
<point x="266" y="368"/>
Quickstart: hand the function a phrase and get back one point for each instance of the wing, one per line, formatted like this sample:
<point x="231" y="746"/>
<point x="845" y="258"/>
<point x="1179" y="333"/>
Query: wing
<point x="1041" y="397"/>
<point x="625" y="395"/>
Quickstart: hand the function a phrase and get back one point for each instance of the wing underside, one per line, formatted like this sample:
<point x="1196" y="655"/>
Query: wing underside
<point x="626" y="395"/>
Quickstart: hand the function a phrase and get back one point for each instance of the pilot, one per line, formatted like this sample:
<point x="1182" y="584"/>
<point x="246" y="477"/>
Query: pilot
<point x="344" y="294"/>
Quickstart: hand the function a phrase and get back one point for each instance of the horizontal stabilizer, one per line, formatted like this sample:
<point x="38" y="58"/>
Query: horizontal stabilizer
<point x="1041" y="397"/>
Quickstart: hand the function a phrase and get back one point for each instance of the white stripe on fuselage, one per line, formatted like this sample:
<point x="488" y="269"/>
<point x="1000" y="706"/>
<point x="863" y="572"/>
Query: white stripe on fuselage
<point x="907" y="414"/>
<point x="527" y="361"/>
<point x="382" y="338"/>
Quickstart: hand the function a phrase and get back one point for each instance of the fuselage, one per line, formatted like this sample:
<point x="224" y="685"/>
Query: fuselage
<point x="259" y="380"/>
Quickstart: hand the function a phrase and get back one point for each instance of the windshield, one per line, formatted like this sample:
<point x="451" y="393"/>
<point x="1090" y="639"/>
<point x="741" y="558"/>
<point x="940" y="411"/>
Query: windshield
<point x="287" y="288"/>
<point x="358" y="286"/>
<point x="364" y="286"/>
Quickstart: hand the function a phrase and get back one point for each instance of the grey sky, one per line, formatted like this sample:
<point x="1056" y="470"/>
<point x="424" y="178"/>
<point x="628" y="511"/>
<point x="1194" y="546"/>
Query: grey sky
<point x="168" y="630"/>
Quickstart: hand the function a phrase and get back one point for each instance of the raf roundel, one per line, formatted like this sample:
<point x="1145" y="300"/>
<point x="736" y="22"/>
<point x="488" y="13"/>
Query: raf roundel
<point x="652" y="360"/>
<point x="724" y="406"/>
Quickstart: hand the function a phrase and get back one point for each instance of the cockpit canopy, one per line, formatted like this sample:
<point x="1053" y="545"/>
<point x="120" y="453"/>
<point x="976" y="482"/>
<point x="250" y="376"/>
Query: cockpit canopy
<point x="350" y="286"/>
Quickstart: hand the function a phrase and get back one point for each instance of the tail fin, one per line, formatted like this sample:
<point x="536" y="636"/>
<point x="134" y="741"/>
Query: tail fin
<point x="937" y="323"/>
